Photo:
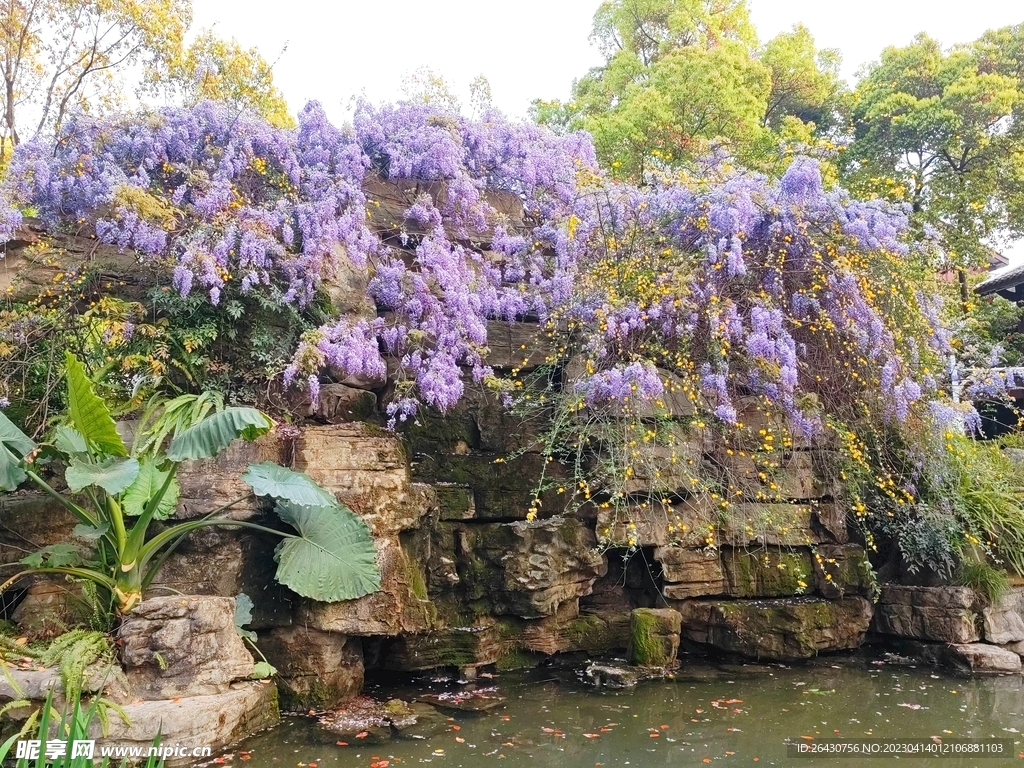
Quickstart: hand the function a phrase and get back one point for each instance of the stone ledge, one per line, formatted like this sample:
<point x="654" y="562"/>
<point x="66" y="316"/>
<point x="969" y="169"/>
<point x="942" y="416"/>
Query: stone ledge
<point x="215" y="721"/>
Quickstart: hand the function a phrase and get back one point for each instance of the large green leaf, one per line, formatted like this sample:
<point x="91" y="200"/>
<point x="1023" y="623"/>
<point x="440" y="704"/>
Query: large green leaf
<point x="149" y="482"/>
<point x="69" y="440"/>
<point x="11" y="473"/>
<point x="89" y="414"/>
<point x="270" y="479"/>
<point x="333" y="559"/>
<point x="14" y="438"/>
<point x="112" y="475"/>
<point x="214" y="433"/>
<point x="14" y="445"/>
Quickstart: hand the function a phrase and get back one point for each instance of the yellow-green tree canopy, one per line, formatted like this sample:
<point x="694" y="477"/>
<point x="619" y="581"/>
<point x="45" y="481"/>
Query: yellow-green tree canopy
<point x="61" y="55"/>
<point x="216" y="69"/>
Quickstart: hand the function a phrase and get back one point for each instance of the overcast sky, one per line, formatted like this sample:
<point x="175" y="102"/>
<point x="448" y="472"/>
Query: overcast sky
<point x="529" y="48"/>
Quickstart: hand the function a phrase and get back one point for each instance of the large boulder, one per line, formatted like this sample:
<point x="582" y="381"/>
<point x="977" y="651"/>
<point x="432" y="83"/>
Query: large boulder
<point x="758" y="523"/>
<point x="654" y="637"/>
<point x="366" y="468"/>
<point x="315" y="669"/>
<point x="527" y="568"/>
<point x="1004" y="619"/>
<point x="401" y="606"/>
<point x="940" y="614"/>
<point x="502" y="489"/>
<point x="213" y="721"/>
<point x="207" y="484"/>
<point x="28" y="522"/>
<point x="183" y="646"/>
<point x="842" y="569"/>
<point x="767" y="572"/>
<point x="226" y="562"/>
<point x="690" y="572"/>
<point x="784" y="629"/>
<point x="51" y="607"/>
<point x="972" y="658"/>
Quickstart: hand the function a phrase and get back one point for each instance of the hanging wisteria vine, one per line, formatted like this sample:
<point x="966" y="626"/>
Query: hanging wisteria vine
<point x="725" y="287"/>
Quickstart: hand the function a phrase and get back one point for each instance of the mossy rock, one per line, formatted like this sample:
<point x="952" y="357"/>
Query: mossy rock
<point x="781" y="629"/>
<point x="654" y="637"/>
<point x="767" y="572"/>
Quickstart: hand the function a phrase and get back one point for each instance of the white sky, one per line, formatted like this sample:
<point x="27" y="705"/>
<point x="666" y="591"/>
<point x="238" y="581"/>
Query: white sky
<point x="528" y="49"/>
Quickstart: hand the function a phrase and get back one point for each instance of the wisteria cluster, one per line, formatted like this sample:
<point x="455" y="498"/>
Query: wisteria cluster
<point x="737" y="285"/>
<point x="721" y="289"/>
<point x="223" y="196"/>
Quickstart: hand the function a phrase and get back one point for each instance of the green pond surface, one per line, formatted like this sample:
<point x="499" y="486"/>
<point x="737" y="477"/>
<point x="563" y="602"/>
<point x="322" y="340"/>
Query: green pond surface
<point x="727" y="715"/>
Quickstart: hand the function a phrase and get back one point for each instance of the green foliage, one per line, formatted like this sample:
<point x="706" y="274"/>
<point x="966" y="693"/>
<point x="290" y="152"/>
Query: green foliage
<point x="115" y="499"/>
<point x="87" y="412"/>
<point x="941" y="130"/>
<point x="684" y="75"/>
<point x="983" y="578"/>
<point x="162" y="418"/>
<point x="214" y="433"/>
<point x="270" y="479"/>
<point x="222" y="70"/>
<point x="332" y="559"/>
<point x="72" y="725"/>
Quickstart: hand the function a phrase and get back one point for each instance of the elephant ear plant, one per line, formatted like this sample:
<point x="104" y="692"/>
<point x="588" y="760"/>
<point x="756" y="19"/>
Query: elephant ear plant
<point x="328" y="555"/>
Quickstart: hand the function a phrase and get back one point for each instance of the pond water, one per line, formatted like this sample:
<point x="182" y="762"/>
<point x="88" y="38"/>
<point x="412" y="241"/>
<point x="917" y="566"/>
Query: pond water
<point x="718" y="715"/>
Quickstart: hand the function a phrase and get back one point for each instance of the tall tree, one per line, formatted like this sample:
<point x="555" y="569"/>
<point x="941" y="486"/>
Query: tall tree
<point x="681" y="75"/>
<point x="58" y="55"/>
<point x="943" y="131"/>
<point x="216" y="69"/>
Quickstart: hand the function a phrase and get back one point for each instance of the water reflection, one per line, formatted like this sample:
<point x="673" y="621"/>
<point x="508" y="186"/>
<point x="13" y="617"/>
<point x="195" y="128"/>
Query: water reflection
<point x="717" y="715"/>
